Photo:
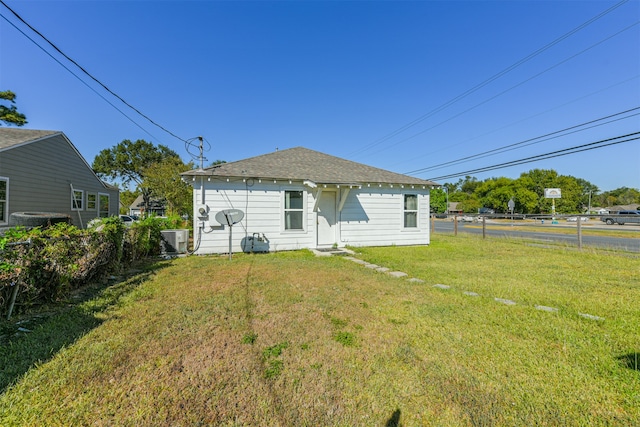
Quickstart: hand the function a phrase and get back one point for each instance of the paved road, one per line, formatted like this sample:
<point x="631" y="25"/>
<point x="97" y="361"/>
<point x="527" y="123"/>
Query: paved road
<point x="631" y="244"/>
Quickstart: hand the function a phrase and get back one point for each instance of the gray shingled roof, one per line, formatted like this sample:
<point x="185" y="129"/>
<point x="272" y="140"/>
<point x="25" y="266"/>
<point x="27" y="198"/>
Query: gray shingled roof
<point x="10" y="137"/>
<point x="303" y="164"/>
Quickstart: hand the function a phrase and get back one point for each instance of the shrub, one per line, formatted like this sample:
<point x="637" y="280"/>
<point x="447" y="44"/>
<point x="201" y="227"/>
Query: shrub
<point x="143" y="238"/>
<point x="48" y="263"/>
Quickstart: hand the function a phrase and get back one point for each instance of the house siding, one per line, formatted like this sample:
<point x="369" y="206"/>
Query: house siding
<point x="262" y="205"/>
<point x="370" y="217"/>
<point x="375" y="217"/>
<point x="41" y="174"/>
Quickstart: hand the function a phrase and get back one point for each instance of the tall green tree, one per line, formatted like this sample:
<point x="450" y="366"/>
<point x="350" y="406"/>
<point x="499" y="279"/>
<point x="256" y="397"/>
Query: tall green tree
<point x="495" y="193"/>
<point x="128" y="161"/>
<point x="468" y="184"/>
<point x="589" y="192"/>
<point x="438" y="200"/>
<point x="164" y="181"/>
<point x="127" y="197"/>
<point x="10" y="114"/>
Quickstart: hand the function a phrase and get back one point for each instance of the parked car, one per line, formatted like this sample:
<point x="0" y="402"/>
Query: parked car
<point x="128" y="221"/>
<point x="486" y="211"/>
<point x="463" y="218"/>
<point x="575" y="219"/>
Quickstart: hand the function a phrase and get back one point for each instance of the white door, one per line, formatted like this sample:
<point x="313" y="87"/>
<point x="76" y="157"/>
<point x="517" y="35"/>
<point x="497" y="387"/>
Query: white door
<point x="327" y="219"/>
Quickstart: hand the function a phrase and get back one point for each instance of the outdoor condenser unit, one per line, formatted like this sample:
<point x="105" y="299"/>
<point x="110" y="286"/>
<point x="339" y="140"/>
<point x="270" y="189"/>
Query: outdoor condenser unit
<point x="174" y="241"/>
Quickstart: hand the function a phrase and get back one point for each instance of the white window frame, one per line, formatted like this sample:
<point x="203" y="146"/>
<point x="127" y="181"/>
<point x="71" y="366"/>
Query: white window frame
<point x="285" y="210"/>
<point x="100" y="212"/>
<point x="4" y="219"/>
<point x="77" y="203"/>
<point x="405" y="211"/>
<point x="93" y="203"/>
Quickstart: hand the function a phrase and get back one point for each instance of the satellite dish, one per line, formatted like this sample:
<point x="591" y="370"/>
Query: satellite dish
<point x="229" y="216"/>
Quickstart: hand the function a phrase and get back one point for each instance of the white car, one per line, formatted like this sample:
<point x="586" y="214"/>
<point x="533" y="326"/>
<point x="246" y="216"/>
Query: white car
<point x="463" y="218"/>
<point x="575" y="219"/>
<point x="128" y="221"/>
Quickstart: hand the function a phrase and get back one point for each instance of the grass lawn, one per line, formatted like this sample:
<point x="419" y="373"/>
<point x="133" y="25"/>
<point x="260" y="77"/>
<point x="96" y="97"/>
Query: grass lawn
<point x="292" y="339"/>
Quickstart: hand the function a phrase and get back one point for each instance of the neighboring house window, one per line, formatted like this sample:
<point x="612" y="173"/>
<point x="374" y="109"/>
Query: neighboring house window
<point x="293" y="210"/>
<point x="103" y="205"/>
<point x="77" y="199"/>
<point x="92" y="201"/>
<point x="410" y="210"/>
<point x="4" y="200"/>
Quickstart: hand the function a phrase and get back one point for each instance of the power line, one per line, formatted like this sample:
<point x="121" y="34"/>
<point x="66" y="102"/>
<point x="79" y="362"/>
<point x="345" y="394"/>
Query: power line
<point x="484" y="83"/>
<point x="509" y="89"/>
<point x="77" y="77"/>
<point x="550" y="155"/>
<point x="416" y="157"/>
<point x="84" y="71"/>
<point x="530" y="141"/>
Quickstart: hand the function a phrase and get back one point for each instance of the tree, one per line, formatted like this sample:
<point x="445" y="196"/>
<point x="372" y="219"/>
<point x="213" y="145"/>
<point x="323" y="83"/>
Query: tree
<point x="10" y="115"/>
<point x="468" y="185"/>
<point x="127" y="197"/>
<point x="470" y="205"/>
<point x="438" y="200"/>
<point x="626" y="196"/>
<point x="128" y="161"/>
<point x="589" y="191"/>
<point x="164" y="181"/>
<point x="495" y="193"/>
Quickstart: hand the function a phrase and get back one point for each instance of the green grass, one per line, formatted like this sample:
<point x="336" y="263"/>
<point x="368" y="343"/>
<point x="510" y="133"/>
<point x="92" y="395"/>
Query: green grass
<point x="568" y="228"/>
<point x="291" y="339"/>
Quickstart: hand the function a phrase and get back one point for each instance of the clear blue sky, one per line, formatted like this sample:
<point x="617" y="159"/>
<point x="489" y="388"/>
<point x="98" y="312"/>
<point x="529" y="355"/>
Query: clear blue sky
<point x="341" y="77"/>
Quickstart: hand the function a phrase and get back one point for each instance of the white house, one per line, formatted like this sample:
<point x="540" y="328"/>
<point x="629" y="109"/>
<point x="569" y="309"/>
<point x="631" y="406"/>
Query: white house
<point x="300" y="198"/>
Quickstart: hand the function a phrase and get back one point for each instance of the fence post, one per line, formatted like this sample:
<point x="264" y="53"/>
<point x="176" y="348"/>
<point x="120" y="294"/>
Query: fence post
<point x="15" y="285"/>
<point x="455" y="225"/>
<point x="12" y="301"/>
<point x="579" y="233"/>
<point x="484" y="228"/>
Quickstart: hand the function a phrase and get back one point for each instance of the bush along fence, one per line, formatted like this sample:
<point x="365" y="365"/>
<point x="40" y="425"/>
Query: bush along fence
<point x="44" y="265"/>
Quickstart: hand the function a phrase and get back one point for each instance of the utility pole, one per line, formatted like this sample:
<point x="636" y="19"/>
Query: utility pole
<point x="201" y="152"/>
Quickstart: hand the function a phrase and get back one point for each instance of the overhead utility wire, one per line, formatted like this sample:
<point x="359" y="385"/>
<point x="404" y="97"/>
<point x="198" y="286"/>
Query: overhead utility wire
<point x="509" y="89"/>
<point x="529" y="141"/>
<point x="489" y="80"/>
<point x="526" y="118"/>
<point x="550" y="155"/>
<point x="78" y="77"/>
<point x="543" y="140"/>
<point x="84" y="71"/>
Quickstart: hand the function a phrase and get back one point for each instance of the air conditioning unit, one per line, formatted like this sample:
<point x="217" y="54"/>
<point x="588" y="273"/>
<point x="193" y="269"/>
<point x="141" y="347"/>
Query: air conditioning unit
<point x="174" y="241"/>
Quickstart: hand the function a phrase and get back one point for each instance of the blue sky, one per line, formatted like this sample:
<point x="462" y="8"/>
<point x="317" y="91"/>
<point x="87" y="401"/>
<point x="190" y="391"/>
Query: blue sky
<point x="341" y="77"/>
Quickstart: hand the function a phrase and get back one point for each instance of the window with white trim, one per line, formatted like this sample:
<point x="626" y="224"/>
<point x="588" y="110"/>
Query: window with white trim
<point x="77" y="200"/>
<point x="410" y="211"/>
<point x="293" y="210"/>
<point x="4" y="200"/>
<point x="103" y="205"/>
<point x="92" y="201"/>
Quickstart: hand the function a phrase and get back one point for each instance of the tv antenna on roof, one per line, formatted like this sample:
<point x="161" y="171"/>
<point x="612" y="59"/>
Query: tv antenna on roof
<point x="190" y="145"/>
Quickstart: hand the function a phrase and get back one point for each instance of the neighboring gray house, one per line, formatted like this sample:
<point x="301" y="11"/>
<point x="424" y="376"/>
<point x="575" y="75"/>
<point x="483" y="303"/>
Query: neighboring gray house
<point x="42" y="171"/>
<point x="157" y="207"/>
<point x="300" y="198"/>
